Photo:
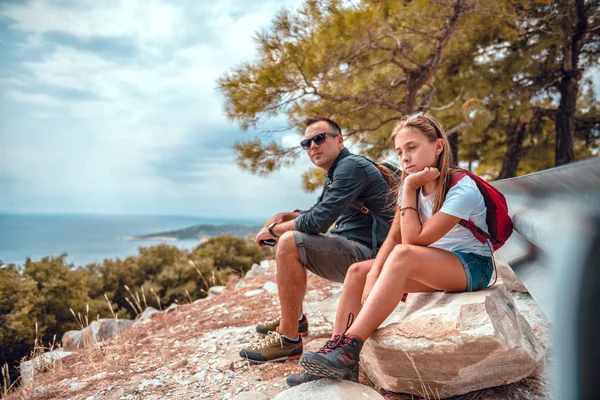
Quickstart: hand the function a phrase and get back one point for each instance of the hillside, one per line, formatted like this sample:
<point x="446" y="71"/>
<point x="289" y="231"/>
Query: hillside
<point x="192" y="351"/>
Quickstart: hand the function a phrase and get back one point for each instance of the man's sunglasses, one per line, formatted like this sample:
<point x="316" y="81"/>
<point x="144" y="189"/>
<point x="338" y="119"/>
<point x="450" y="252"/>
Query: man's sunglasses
<point x="319" y="138"/>
<point x="421" y="114"/>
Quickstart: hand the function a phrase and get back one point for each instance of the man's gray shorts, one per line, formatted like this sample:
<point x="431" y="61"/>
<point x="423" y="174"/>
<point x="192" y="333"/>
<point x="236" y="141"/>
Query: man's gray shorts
<point x="329" y="256"/>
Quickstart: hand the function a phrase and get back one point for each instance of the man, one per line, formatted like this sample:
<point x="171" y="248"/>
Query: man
<point x="357" y="198"/>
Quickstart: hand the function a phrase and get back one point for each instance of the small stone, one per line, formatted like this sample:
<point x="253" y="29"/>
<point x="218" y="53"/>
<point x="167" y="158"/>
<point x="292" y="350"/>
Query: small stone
<point x="76" y="386"/>
<point x="200" y="376"/>
<point x="271" y="287"/>
<point x="40" y="391"/>
<point x="226" y="365"/>
<point x="253" y="292"/>
<point x="178" y="364"/>
<point x="216" y="290"/>
<point x="100" y="376"/>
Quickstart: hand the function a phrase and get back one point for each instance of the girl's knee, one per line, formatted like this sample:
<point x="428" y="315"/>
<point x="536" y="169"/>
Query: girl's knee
<point x="403" y="252"/>
<point x="404" y="256"/>
<point x="359" y="269"/>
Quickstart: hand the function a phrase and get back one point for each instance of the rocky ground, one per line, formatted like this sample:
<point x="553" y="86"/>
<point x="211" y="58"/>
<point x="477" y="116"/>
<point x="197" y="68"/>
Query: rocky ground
<point x="192" y="352"/>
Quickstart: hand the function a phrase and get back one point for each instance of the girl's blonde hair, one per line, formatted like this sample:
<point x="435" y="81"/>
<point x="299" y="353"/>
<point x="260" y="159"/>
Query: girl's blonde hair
<point x="429" y="127"/>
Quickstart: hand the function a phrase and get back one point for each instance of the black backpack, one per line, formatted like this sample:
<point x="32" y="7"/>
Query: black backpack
<point x="391" y="174"/>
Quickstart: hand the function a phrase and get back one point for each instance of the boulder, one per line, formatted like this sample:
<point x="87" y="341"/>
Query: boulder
<point x="262" y="268"/>
<point x="96" y="332"/>
<point x="146" y="316"/>
<point x="329" y="389"/>
<point x="511" y="281"/>
<point x="70" y="340"/>
<point x="445" y="344"/>
<point x="40" y="364"/>
<point x="172" y="306"/>
<point x="216" y="290"/>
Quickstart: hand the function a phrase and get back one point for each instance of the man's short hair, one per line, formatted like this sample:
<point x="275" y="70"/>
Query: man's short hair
<point x="332" y="124"/>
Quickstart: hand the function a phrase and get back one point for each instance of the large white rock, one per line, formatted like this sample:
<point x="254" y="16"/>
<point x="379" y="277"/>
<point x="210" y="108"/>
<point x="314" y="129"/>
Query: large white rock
<point x="40" y="364"/>
<point x="329" y="389"/>
<point x="449" y="344"/>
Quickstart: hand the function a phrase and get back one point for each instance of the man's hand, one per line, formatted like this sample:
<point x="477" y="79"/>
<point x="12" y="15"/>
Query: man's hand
<point x="282" y="217"/>
<point x="421" y="178"/>
<point x="369" y="283"/>
<point x="262" y="235"/>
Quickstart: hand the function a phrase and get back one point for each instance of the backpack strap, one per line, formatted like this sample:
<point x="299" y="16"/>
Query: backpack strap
<point x="376" y="219"/>
<point x="481" y="235"/>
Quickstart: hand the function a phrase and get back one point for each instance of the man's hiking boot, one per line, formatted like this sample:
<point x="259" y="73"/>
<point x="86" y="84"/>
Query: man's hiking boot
<point x="274" y="348"/>
<point x="301" y="377"/>
<point x="265" y="328"/>
<point x="337" y="359"/>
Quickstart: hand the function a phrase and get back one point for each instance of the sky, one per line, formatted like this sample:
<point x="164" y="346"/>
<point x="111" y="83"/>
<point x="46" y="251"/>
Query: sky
<point x="110" y="106"/>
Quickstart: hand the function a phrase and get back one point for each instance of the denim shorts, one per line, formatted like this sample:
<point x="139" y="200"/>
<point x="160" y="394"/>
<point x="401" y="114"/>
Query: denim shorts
<point x="479" y="270"/>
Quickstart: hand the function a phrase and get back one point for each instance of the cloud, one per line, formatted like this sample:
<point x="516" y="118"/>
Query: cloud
<point x="36" y="98"/>
<point x="111" y="106"/>
<point x="142" y="18"/>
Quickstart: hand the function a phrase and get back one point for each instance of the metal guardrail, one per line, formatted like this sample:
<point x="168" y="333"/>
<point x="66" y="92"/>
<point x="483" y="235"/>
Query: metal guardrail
<point x="555" y="251"/>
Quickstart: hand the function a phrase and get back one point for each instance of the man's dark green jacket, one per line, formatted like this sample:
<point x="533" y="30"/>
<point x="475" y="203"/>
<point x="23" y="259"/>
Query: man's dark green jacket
<point x="351" y="182"/>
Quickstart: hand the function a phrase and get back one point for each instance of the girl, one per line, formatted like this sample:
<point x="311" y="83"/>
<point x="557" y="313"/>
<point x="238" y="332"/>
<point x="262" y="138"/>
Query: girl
<point x="426" y="249"/>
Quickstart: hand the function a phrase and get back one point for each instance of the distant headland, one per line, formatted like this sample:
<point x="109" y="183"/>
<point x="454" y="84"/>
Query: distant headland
<point x="199" y="232"/>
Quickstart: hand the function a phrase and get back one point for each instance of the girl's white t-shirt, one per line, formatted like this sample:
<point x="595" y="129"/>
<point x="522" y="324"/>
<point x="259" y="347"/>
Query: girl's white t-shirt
<point x="465" y="201"/>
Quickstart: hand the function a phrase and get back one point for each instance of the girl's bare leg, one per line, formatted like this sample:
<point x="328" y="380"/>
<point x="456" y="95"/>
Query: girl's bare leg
<point x="435" y="268"/>
<point x="354" y="283"/>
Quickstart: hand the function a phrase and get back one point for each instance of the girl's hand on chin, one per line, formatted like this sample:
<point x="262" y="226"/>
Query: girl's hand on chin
<point x="421" y="178"/>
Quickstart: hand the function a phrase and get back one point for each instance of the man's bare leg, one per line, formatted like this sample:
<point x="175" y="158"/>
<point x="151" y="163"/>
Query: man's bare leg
<point x="291" y="284"/>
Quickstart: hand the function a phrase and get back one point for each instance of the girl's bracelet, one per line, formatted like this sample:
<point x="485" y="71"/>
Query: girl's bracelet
<point x="408" y="208"/>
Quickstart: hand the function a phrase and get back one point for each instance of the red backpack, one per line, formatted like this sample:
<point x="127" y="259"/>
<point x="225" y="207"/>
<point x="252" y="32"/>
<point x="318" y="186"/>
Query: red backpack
<point x="499" y="224"/>
<point x="498" y="221"/>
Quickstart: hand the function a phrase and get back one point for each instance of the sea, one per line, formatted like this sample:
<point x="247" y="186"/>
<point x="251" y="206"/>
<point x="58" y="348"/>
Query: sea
<point x="90" y="238"/>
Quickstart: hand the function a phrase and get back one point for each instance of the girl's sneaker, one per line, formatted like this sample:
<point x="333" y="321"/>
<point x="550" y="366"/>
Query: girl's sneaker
<point x="337" y="359"/>
<point x="301" y="377"/>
